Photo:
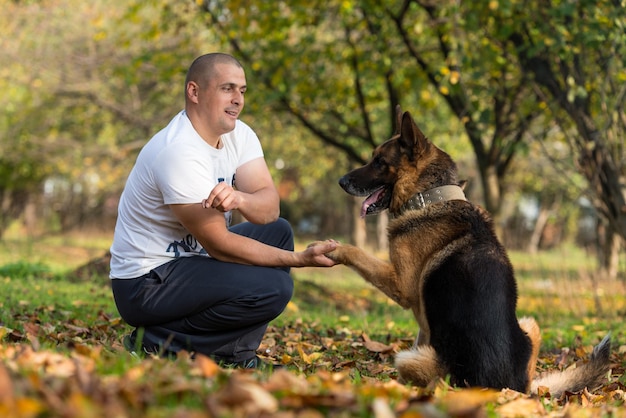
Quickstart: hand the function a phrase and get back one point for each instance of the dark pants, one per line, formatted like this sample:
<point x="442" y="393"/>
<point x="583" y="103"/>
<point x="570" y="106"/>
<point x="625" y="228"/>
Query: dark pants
<point x="208" y="306"/>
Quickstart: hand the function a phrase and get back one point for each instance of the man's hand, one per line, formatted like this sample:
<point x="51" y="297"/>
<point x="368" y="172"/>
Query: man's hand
<point x="255" y="196"/>
<point x="315" y="253"/>
<point x="223" y="198"/>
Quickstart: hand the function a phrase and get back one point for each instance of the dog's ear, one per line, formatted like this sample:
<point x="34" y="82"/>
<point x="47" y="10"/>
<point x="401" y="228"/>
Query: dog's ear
<point x="411" y="136"/>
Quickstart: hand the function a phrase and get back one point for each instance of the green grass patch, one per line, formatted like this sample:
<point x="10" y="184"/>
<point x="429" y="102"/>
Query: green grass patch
<point x="60" y="330"/>
<point x="558" y="288"/>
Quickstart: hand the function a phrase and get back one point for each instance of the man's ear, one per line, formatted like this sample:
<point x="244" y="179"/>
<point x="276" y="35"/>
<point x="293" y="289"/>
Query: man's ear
<point x="192" y="89"/>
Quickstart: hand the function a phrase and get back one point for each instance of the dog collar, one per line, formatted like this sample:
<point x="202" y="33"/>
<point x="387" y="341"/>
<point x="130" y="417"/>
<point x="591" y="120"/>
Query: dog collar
<point x="438" y="194"/>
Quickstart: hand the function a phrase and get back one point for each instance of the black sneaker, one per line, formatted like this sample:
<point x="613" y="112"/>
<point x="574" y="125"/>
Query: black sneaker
<point x="129" y="342"/>
<point x="252" y="363"/>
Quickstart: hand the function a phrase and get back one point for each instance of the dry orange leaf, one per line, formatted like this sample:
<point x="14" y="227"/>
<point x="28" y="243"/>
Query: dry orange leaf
<point x="522" y="407"/>
<point x="378" y="347"/>
<point x="381" y="408"/>
<point x="307" y="358"/>
<point x="282" y="380"/>
<point x="206" y="365"/>
<point x="464" y="401"/>
<point x="375" y="346"/>
<point x="88" y="351"/>
<point x="6" y="386"/>
<point x="241" y="392"/>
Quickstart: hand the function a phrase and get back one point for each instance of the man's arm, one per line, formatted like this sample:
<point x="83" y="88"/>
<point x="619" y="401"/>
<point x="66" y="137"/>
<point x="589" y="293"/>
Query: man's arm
<point x="255" y="197"/>
<point x="207" y="225"/>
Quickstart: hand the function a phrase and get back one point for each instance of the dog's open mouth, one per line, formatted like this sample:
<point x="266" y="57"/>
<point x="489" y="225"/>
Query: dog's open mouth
<point x="376" y="202"/>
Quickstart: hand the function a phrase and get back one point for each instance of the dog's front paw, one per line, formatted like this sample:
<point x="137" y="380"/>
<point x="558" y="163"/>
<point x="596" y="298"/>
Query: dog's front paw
<point x="340" y="254"/>
<point x="333" y="256"/>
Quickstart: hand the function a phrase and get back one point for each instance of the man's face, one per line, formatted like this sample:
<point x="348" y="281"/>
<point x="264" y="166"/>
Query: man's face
<point x="222" y="100"/>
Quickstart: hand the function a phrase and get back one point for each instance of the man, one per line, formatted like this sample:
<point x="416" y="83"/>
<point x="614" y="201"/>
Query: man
<point x="180" y="274"/>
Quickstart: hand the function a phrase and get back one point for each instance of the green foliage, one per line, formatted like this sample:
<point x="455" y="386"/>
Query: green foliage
<point x="76" y="116"/>
<point x="34" y="292"/>
<point x="86" y="86"/>
<point x="25" y="270"/>
<point x="329" y="66"/>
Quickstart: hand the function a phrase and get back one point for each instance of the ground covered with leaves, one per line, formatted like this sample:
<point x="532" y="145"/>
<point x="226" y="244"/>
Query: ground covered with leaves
<point x="61" y="356"/>
<point x="76" y="369"/>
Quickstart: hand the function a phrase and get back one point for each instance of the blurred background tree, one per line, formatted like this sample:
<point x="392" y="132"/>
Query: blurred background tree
<point x="528" y="98"/>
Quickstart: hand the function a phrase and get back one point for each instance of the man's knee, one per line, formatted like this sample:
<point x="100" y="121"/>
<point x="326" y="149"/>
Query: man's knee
<point x="284" y="228"/>
<point x="284" y="292"/>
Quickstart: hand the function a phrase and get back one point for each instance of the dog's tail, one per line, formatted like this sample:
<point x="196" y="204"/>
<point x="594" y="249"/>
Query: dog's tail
<point x="590" y="375"/>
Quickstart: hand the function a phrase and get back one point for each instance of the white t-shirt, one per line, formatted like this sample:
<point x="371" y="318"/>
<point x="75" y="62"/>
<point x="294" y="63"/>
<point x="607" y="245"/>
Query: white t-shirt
<point x="175" y="166"/>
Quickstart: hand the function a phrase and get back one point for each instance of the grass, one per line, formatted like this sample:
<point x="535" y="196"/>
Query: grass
<point x="46" y="307"/>
<point x="556" y="287"/>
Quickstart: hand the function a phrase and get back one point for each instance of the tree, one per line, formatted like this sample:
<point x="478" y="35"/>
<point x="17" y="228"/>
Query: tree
<point x="471" y="71"/>
<point x="340" y="68"/>
<point x="86" y="86"/>
<point x="575" y="53"/>
<point x="488" y="61"/>
<point x="319" y="65"/>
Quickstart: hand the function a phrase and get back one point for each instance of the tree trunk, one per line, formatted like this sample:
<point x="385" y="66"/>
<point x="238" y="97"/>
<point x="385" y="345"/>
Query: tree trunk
<point x="359" y="232"/>
<point x="603" y="172"/>
<point x="540" y="224"/>
<point x="491" y="190"/>
<point x="30" y="218"/>
<point x="381" y="229"/>
<point x="608" y="250"/>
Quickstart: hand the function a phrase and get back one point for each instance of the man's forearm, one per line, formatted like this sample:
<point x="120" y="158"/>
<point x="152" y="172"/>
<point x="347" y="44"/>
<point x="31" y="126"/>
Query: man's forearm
<point x="260" y="207"/>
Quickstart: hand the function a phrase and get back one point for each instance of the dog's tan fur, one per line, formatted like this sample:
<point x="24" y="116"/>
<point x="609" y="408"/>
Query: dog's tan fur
<point x="447" y="266"/>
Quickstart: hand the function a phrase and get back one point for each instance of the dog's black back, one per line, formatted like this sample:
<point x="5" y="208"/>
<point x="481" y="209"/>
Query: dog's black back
<point x="470" y="305"/>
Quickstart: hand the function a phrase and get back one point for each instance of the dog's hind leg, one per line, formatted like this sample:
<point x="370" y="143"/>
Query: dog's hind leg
<point x="419" y="366"/>
<point x="422" y="338"/>
<point x="531" y="328"/>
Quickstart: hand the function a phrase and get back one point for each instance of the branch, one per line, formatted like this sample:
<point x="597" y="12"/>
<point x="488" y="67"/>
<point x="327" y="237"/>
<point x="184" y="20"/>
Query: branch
<point x="118" y="110"/>
<point x="457" y="103"/>
<point x="369" y="137"/>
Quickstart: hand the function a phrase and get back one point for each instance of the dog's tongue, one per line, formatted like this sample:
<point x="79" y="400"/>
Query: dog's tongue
<point x="371" y="199"/>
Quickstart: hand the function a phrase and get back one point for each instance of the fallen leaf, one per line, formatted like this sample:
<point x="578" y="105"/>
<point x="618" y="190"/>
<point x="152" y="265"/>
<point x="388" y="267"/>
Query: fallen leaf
<point x="543" y="391"/>
<point x="88" y="351"/>
<point x="307" y="358"/>
<point x="588" y="398"/>
<point x="6" y="387"/>
<point x="561" y="360"/>
<point x="4" y="331"/>
<point x="245" y="394"/>
<point x="28" y="407"/>
<point x="207" y="366"/>
<point x="282" y="380"/>
<point x="378" y="347"/>
<point x="381" y="409"/>
<point x="465" y="401"/>
<point x="522" y="407"/>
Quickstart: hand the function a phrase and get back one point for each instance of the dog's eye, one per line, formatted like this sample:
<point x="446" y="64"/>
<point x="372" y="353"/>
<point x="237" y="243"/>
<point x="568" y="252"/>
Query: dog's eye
<point x="378" y="162"/>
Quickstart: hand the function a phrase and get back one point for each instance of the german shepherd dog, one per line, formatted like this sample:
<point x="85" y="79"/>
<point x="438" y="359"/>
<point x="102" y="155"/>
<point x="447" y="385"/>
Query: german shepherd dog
<point x="447" y="265"/>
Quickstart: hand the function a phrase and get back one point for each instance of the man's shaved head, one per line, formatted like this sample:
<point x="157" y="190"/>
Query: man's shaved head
<point x="203" y="67"/>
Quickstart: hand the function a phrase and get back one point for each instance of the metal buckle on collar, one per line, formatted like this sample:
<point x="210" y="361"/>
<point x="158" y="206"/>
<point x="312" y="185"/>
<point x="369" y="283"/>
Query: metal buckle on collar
<point x="421" y="203"/>
<point x="427" y="198"/>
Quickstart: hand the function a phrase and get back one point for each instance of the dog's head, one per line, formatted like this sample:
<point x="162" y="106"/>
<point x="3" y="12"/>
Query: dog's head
<point x="402" y="166"/>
